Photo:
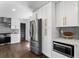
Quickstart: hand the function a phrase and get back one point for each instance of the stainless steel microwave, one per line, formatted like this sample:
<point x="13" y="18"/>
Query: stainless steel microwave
<point x="63" y="48"/>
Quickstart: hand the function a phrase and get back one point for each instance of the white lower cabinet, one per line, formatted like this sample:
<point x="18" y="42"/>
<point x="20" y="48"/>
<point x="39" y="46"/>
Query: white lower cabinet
<point x="47" y="48"/>
<point x="44" y="47"/>
<point x="15" y="38"/>
<point x="58" y="55"/>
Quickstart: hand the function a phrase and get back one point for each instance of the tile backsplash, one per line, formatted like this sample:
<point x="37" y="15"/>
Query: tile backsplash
<point x="74" y="30"/>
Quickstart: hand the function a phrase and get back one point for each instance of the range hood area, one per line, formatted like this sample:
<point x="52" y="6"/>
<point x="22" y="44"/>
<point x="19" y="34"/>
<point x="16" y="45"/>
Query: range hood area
<point x="5" y="26"/>
<point x="6" y="30"/>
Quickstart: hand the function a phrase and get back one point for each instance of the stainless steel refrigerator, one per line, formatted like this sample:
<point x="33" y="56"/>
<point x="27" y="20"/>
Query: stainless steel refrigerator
<point x="36" y="36"/>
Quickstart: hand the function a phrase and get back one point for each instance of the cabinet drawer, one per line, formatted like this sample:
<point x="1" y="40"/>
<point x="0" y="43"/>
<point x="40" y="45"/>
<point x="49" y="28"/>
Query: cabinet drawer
<point x="35" y="44"/>
<point x="58" y="55"/>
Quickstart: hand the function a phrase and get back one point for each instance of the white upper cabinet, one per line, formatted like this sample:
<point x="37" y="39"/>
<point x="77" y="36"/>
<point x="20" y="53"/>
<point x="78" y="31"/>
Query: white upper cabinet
<point x="59" y="14"/>
<point x="34" y="15"/>
<point x="39" y="13"/>
<point x="67" y="14"/>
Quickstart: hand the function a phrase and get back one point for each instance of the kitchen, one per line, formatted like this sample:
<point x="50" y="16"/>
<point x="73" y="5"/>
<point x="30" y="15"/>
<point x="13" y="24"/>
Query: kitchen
<point x="51" y="29"/>
<point x="59" y="19"/>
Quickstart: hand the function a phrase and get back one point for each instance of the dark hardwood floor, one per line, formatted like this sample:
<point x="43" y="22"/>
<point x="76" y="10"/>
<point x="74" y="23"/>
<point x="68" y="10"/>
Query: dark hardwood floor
<point x="18" y="50"/>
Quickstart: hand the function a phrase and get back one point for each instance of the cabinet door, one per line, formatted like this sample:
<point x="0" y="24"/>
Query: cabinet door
<point x="67" y="14"/>
<point x="46" y="41"/>
<point x="39" y="13"/>
<point x="15" y="24"/>
<point x="71" y="13"/>
<point x="59" y="14"/>
<point x="57" y="55"/>
<point x="1" y="19"/>
<point x="7" y="22"/>
<point x="49" y="27"/>
<point x="44" y="37"/>
<point x="34" y="15"/>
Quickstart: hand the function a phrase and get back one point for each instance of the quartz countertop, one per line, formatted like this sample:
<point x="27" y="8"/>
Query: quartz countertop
<point x="67" y="41"/>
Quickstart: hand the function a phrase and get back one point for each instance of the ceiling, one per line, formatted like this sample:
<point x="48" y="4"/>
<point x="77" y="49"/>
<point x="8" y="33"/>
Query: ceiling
<point x="31" y="4"/>
<point x="18" y="9"/>
<point x="36" y="4"/>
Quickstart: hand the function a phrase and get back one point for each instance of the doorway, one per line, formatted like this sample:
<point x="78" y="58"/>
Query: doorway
<point x="23" y="31"/>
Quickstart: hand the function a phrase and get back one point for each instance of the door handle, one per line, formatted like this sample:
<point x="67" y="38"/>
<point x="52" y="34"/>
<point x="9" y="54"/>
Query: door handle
<point x="64" y="20"/>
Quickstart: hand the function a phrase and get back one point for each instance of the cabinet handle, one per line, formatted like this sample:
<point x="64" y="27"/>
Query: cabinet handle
<point x="64" y="20"/>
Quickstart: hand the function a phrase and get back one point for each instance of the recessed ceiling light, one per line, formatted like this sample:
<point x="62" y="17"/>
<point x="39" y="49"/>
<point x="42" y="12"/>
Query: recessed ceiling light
<point x="13" y="9"/>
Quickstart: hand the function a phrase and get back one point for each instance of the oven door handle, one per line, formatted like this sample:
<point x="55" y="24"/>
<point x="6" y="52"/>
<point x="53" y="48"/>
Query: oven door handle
<point x="62" y="45"/>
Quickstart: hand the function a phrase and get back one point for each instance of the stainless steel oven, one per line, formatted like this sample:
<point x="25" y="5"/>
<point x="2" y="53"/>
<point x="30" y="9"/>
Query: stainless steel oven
<point x="63" y="48"/>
